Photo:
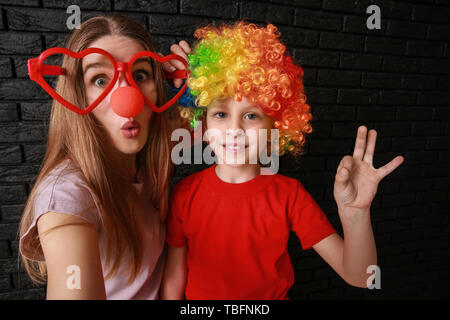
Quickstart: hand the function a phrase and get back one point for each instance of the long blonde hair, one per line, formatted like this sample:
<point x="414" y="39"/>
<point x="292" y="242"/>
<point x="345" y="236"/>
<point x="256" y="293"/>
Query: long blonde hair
<point x="81" y="139"/>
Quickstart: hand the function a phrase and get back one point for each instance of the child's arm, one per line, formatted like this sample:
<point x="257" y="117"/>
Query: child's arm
<point x="174" y="280"/>
<point x="355" y="187"/>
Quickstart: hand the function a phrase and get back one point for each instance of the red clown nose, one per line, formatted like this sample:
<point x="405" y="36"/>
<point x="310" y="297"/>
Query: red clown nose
<point x="127" y="101"/>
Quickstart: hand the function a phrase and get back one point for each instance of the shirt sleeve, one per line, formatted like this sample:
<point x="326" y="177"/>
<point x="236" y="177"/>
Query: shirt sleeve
<point x="175" y="235"/>
<point x="308" y="220"/>
<point x="63" y="193"/>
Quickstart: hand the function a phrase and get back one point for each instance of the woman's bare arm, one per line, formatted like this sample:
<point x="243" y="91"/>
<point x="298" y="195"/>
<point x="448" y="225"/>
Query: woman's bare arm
<point x="72" y="257"/>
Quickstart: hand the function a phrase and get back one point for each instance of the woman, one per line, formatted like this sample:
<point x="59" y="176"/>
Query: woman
<point x="93" y="225"/>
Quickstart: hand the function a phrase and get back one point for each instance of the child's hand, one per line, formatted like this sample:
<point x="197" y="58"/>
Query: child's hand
<point x="356" y="180"/>
<point x="183" y="49"/>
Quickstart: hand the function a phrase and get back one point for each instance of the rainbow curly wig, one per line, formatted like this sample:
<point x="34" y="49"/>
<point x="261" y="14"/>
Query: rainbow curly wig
<point x="244" y="60"/>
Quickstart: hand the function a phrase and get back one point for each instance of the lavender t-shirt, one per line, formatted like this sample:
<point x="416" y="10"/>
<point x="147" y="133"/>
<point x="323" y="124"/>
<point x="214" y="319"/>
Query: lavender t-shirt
<point x="64" y="191"/>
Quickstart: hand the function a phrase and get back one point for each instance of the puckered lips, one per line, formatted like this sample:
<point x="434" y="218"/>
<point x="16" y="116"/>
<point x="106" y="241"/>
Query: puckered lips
<point x="130" y="129"/>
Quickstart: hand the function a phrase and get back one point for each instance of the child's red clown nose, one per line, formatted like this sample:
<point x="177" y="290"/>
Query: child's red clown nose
<point x="127" y="101"/>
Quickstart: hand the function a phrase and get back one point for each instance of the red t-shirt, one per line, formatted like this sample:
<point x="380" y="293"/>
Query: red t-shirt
<point x="237" y="233"/>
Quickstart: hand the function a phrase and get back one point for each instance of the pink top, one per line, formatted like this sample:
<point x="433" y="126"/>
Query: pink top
<point x="64" y="191"/>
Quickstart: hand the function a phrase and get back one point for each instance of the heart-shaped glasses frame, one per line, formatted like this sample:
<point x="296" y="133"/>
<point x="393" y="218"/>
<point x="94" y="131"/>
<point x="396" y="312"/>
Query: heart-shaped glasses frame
<point x="37" y="69"/>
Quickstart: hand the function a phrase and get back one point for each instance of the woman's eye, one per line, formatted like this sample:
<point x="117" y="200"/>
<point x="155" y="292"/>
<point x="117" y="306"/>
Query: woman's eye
<point x="141" y="75"/>
<point x="100" y="81"/>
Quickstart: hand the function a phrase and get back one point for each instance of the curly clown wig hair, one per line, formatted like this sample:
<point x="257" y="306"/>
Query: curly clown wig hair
<point x="244" y="60"/>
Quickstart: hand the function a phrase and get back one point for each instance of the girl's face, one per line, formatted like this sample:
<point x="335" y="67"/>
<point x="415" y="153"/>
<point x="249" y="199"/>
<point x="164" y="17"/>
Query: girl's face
<point x="234" y="128"/>
<point x="128" y="135"/>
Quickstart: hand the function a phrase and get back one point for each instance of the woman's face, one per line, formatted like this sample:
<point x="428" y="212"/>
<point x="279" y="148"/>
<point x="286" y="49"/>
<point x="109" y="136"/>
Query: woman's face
<point x="234" y="130"/>
<point x="128" y="135"/>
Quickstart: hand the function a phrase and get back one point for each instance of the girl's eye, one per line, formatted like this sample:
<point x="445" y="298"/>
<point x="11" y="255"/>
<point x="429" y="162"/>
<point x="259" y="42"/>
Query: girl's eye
<point x="141" y="75"/>
<point x="251" y="116"/>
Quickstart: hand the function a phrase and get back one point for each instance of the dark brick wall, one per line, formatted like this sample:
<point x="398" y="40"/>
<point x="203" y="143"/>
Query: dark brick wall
<point x="395" y="80"/>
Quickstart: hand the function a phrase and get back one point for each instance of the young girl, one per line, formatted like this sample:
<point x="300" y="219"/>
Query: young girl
<point x="93" y="226"/>
<point x="229" y="225"/>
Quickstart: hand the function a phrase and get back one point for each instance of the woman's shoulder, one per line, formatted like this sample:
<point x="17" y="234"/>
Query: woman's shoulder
<point x="64" y="190"/>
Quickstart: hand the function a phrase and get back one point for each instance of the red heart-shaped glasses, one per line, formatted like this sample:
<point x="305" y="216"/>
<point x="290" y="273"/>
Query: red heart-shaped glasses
<point x="37" y="69"/>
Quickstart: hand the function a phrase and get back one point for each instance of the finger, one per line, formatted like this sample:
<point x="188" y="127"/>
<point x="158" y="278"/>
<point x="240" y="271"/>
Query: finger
<point x="176" y="49"/>
<point x="185" y="46"/>
<point x="344" y="169"/>
<point x="389" y="167"/>
<point x="370" y="149"/>
<point x="360" y="143"/>
<point x="177" y="82"/>
<point x="167" y="66"/>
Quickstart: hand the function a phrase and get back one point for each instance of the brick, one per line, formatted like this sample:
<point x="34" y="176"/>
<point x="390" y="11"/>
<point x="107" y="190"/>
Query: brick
<point x="403" y="29"/>
<point x="393" y="226"/>
<point x="396" y="10"/>
<point x="318" y="19"/>
<point x="30" y="294"/>
<point x="356" y="6"/>
<point x="330" y="147"/>
<point x="386" y="129"/>
<point x="12" y="193"/>
<point x="10" y="154"/>
<point x="19" y="89"/>
<point x="438" y="143"/>
<point x="414" y="113"/>
<point x="420" y="157"/>
<point x="425" y="49"/>
<point x="25" y="19"/>
<point x="341" y="41"/>
<point x="8" y="231"/>
<point x="4" y="250"/>
<point x="400" y="64"/>
<point x="221" y="9"/>
<point x="5" y="68"/>
<point x="23" y="132"/>
<point x="441" y="113"/>
<point x="385" y="45"/>
<point x="267" y="12"/>
<point x="298" y="37"/>
<point x="2" y="25"/>
<point x="431" y="13"/>
<point x="162" y="6"/>
<point x="381" y="80"/>
<point x="301" y="3"/>
<point x="8" y="111"/>
<point x="444" y="156"/>
<point x="11" y="213"/>
<point x="316" y="58"/>
<point x="36" y="110"/>
<point x="20" y="43"/>
<point x="434" y="98"/>
<point x="334" y="113"/>
<point x="360" y="61"/>
<point x="357" y="24"/>
<point x="429" y="128"/>
<point x="408" y="143"/>
<point x="28" y="3"/>
<point x="436" y="66"/>
<point x="397" y="97"/>
<point x="55" y="39"/>
<point x="439" y="32"/>
<point x="420" y="81"/>
<point x="320" y="95"/>
<point x="338" y="78"/>
<point x="357" y="96"/>
<point x="375" y="114"/>
<point x="443" y="82"/>
<point x="432" y="195"/>
<point x="173" y="25"/>
<point x="83" y="4"/>
<point x="5" y="283"/>
<point x="418" y="185"/>
<point x="22" y="173"/>
<point x="442" y="183"/>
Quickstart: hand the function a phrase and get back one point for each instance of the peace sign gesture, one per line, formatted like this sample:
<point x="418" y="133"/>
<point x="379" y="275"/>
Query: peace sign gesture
<point x="356" y="180"/>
